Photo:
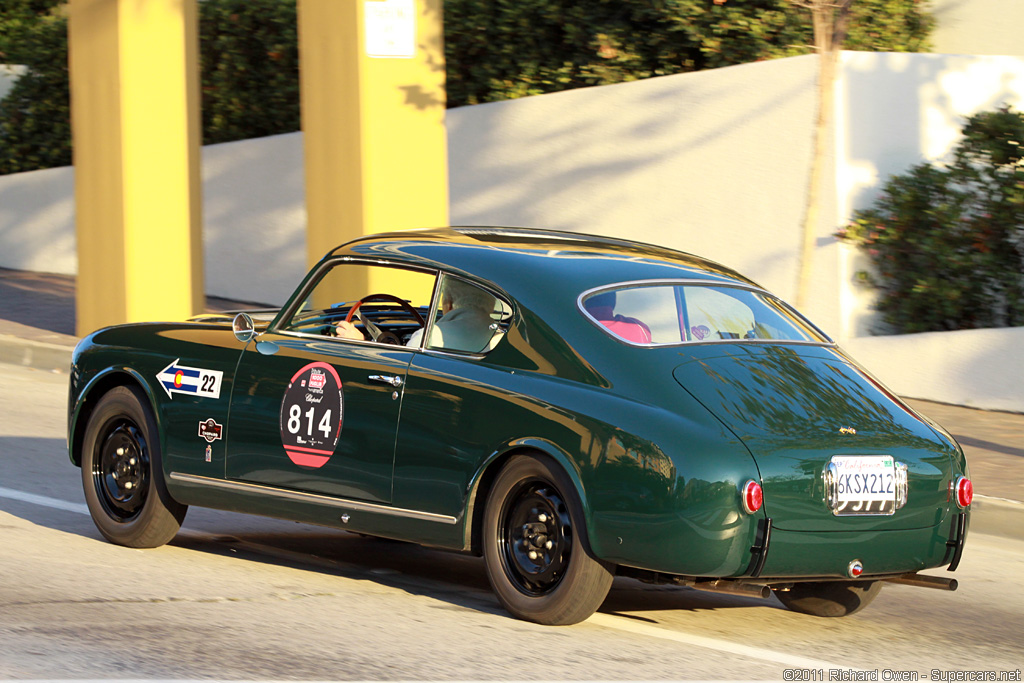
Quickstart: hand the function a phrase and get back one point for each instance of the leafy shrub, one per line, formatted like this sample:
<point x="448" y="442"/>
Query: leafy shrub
<point x="35" y="116"/>
<point x="249" y="74"/>
<point x="249" y="57"/>
<point x="501" y="49"/>
<point x="947" y="241"/>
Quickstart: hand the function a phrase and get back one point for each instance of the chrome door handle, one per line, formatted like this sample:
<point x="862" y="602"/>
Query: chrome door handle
<point x="392" y="380"/>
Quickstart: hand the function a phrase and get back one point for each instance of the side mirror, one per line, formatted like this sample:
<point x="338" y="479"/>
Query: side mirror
<point x="243" y="327"/>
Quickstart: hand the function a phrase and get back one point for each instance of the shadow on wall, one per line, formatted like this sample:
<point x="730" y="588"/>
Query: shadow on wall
<point x="713" y="163"/>
<point x="902" y="110"/>
<point x="943" y="90"/>
<point x="37" y="221"/>
<point x="254" y="218"/>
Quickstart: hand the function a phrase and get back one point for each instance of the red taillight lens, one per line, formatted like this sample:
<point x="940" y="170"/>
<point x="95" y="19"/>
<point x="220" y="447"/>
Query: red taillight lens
<point x="963" y="491"/>
<point x="753" y="497"/>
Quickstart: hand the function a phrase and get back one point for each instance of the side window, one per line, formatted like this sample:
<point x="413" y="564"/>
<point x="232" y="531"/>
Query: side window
<point x="467" y="318"/>
<point x="394" y="301"/>
<point x="676" y="313"/>
<point x="715" y="314"/>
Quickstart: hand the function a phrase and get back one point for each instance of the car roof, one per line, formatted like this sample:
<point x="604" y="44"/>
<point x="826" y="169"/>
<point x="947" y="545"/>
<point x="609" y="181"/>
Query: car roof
<point x="522" y="258"/>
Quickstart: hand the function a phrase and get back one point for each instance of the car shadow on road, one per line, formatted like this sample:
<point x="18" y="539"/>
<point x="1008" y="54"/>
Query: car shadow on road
<point x="451" y="577"/>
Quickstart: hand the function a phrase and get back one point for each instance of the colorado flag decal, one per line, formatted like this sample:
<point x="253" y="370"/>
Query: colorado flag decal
<point x="181" y="379"/>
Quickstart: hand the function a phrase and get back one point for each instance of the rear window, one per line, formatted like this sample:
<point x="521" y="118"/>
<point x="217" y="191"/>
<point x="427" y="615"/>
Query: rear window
<point x="675" y="313"/>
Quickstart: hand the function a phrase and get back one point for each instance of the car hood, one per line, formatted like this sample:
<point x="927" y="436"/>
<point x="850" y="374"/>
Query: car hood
<point x="795" y="407"/>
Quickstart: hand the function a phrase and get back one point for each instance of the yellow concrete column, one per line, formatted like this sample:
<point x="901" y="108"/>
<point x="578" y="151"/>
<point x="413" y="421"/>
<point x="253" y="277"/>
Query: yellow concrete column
<point x="136" y="128"/>
<point x="373" y="103"/>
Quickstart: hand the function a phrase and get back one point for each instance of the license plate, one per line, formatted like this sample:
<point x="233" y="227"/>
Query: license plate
<point x="865" y="484"/>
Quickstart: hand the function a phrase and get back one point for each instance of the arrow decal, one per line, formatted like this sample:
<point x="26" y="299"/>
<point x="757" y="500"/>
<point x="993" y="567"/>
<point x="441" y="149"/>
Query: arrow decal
<point x="182" y="379"/>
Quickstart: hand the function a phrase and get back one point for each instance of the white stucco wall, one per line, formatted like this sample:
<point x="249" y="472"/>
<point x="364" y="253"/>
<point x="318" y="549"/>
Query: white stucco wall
<point x="254" y="218"/>
<point x="979" y="368"/>
<point x="37" y="221"/>
<point x="894" y="111"/>
<point x="978" y="27"/>
<point x="897" y="110"/>
<point x="713" y="163"/>
<point x="8" y="75"/>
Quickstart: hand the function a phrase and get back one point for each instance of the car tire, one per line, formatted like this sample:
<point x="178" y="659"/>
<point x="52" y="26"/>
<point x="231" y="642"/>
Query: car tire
<point x="122" y="475"/>
<point x="535" y="550"/>
<point x="830" y="598"/>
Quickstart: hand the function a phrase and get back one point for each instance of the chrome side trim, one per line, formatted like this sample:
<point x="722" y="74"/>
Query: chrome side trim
<point x="313" y="498"/>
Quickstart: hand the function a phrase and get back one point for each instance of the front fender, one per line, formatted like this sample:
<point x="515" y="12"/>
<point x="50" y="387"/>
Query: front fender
<point x="83" y="401"/>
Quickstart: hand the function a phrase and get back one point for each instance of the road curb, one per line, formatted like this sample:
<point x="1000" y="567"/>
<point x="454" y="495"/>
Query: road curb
<point x="35" y="354"/>
<point x="997" y="517"/>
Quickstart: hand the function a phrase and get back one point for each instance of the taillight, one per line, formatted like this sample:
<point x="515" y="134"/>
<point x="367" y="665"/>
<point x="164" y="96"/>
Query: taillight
<point x="963" y="491"/>
<point x="753" y="497"/>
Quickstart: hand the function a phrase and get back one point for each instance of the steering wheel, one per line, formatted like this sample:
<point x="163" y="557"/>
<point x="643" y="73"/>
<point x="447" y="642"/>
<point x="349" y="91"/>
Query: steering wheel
<point x="376" y="333"/>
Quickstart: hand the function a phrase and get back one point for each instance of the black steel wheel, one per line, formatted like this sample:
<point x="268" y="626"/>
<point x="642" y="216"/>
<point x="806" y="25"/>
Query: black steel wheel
<point x="829" y="598"/>
<point x="121" y="474"/>
<point x="535" y="546"/>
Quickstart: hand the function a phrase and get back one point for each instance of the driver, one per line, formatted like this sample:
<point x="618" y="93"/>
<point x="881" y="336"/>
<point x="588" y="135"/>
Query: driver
<point x="465" y="324"/>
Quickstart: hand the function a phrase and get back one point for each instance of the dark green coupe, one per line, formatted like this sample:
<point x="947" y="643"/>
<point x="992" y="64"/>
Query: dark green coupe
<point x="569" y="407"/>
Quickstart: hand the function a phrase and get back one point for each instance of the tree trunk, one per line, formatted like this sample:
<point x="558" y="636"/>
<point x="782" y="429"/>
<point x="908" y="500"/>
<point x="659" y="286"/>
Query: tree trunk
<point x="829" y="31"/>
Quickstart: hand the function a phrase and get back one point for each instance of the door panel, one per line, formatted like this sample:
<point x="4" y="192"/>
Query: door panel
<point x="285" y="430"/>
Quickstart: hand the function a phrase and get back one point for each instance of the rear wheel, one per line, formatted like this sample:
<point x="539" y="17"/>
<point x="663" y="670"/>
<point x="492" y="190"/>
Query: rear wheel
<point x="536" y="558"/>
<point x="830" y="598"/>
<point x="121" y="473"/>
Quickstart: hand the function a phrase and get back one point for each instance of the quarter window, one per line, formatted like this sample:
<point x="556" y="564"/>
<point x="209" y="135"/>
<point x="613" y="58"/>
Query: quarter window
<point x="467" y="318"/>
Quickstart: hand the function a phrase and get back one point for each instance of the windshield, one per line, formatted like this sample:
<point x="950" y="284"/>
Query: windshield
<point x="675" y="313"/>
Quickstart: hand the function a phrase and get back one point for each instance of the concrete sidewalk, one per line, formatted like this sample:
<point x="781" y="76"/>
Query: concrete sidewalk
<point x="37" y="328"/>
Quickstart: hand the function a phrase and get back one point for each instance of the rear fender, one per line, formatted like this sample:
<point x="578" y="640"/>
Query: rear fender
<point x="480" y="486"/>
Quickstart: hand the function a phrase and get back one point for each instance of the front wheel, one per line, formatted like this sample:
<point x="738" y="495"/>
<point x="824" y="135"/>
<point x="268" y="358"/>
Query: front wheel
<point x="121" y="473"/>
<point x="537" y="561"/>
<point x="830" y="598"/>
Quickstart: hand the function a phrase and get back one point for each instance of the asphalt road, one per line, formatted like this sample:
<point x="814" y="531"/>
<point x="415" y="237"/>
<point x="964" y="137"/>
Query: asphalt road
<point x="236" y="597"/>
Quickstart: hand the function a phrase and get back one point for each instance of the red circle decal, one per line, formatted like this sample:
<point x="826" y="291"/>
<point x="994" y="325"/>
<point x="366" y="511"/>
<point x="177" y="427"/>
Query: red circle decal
<point x="311" y="415"/>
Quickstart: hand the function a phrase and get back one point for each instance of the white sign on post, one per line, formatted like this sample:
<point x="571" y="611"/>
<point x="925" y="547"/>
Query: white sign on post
<point x="390" y="28"/>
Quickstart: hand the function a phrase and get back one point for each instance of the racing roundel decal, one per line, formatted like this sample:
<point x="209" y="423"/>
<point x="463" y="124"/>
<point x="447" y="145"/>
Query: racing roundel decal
<point x="311" y="415"/>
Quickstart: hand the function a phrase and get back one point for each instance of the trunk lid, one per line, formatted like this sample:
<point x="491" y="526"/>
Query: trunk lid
<point x="795" y="407"/>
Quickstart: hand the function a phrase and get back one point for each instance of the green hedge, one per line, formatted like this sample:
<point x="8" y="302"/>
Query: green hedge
<point x="250" y="68"/>
<point x="35" y="116"/>
<point x="946" y="241"/>
<point x="495" y="50"/>
<point x="249" y="64"/>
<point x="500" y="49"/>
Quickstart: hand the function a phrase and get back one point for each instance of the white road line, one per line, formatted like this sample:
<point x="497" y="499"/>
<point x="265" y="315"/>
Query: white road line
<point x="43" y="500"/>
<point x="790" y="661"/>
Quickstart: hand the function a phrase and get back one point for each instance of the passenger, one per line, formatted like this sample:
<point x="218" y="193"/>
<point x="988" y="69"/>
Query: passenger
<point x="465" y="324"/>
<point x="602" y="308"/>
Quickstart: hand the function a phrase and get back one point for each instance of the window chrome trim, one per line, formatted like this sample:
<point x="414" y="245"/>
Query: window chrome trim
<point x="311" y="498"/>
<point x="710" y="282"/>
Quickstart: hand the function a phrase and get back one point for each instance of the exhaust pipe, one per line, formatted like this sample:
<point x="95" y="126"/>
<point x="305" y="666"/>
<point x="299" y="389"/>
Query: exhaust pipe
<point x="750" y="590"/>
<point x="922" y="581"/>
